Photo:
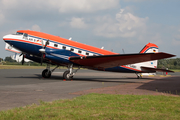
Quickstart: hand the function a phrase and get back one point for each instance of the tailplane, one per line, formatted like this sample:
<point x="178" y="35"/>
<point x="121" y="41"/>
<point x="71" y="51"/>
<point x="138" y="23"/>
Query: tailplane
<point x="150" y="67"/>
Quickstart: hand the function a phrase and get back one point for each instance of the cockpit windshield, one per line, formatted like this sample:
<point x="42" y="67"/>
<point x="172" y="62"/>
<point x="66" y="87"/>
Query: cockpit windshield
<point x="25" y="35"/>
<point x="19" y="33"/>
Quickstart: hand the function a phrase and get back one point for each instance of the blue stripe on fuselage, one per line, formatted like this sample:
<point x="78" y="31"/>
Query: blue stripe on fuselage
<point x="25" y="47"/>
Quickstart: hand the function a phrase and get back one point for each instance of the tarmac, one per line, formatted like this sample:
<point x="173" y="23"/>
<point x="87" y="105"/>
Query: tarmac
<point x="21" y="87"/>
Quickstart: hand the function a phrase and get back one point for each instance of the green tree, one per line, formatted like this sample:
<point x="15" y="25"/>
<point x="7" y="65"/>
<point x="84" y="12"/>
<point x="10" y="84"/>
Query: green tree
<point x="9" y="59"/>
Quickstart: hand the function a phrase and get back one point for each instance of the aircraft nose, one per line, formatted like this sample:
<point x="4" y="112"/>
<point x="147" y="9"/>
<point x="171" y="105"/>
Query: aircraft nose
<point x="5" y="37"/>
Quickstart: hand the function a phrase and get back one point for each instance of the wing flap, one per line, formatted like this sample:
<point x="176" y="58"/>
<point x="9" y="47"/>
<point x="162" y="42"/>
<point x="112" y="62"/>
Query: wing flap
<point x="107" y="61"/>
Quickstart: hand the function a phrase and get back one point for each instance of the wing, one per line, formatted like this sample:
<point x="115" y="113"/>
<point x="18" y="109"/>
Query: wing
<point x="10" y="48"/>
<point x="155" y="69"/>
<point x="107" y="61"/>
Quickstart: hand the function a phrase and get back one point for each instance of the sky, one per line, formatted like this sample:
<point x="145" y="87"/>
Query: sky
<point x="116" y="25"/>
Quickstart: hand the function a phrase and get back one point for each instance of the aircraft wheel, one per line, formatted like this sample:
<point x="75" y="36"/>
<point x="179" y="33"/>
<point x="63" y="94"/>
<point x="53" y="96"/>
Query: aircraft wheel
<point x="46" y="74"/>
<point x="66" y="75"/>
<point x="139" y="76"/>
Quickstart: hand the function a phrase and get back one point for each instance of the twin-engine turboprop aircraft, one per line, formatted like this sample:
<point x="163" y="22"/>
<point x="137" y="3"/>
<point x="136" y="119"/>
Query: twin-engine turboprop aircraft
<point x="45" y="48"/>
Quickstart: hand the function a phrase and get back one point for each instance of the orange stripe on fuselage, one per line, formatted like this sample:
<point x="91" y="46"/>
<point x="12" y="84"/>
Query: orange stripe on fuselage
<point x="24" y="41"/>
<point x="67" y="42"/>
<point x="131" y="68"/>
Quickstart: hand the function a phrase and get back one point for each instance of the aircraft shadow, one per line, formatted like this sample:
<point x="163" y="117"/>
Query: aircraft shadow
<point x="164" y="85"/>
<point x="100" y="79"/>
<point x="90" y="79"/>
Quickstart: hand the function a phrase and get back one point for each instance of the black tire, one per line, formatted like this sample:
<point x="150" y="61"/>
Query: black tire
<point x="139" y="76"/>
<point x="45" y="73"/>
<point x="65" y="75"/>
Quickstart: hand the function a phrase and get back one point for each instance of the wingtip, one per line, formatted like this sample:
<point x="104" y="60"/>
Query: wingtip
<point x="168" y="55"/>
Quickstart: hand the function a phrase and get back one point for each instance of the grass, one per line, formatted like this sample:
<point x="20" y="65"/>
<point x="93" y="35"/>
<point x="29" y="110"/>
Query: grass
<point x="21" y="67"/>
<point x="175" y="70"/>
<point x="101" y="106"/>
<point x="24" y="67"/>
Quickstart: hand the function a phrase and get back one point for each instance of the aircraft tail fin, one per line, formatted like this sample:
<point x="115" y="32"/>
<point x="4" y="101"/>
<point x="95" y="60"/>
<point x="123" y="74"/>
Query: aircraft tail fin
<point x="150" y="48"/>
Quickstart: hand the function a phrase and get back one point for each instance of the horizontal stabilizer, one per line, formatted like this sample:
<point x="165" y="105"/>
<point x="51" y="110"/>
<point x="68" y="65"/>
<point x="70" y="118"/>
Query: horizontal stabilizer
<point x="107" y="61"/>
<point x="155" y="69"/>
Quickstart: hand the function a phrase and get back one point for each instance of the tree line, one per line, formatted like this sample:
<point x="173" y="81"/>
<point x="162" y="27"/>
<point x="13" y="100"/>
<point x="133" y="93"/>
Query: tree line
<point x="169" y="63"/>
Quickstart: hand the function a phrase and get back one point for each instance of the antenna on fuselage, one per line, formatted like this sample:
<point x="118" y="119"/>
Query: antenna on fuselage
<point x="70" y="38"/>
<point x="102" y="47"/>
<point x="123" y="51"/>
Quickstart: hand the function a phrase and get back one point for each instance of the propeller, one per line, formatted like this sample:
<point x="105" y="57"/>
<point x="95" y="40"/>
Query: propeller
<point x="22" y="58"/>
<point x="43" y="49"/>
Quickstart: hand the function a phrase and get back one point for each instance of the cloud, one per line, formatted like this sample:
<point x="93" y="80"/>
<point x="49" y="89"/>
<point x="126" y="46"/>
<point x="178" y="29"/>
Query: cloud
<point x="176" y="38"/>
<point x="68" y="6"/>
<point x="2" y="18"/>
<point x="125" y="24"/>
<point x="134" y="0"/>
<point x="36" y="28"/>
<point x="78" y="23"/>
<point x="63" y="6"/>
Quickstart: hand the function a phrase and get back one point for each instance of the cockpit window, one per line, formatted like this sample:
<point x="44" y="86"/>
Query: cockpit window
<point x="19" y="33"/>
<point x="25" y="35"/>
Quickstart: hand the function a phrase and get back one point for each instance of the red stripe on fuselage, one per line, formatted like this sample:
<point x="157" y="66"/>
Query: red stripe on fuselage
<point x="131" y="68"/>
<point x="67" y="42"/>
<point x="24" y="41"/>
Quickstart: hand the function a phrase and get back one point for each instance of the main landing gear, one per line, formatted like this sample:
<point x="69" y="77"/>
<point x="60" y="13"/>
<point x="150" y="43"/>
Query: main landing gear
<point x="67" y="75"/>
<point x="139" y="75"/>
<point x="47" y="72"/>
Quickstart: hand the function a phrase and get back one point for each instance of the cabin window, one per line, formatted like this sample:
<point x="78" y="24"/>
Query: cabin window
<point x="87" y="53"/>
<point x="64" y="47"/>
<point x="55" y="45"/>
<point x="79" y="51"/>
<point x="72" y="49"/>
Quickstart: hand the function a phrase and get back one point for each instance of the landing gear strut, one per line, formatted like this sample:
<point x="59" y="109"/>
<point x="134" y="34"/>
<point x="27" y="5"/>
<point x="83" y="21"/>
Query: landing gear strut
<point x="47" y="72"/>
<point x="139" y="75"/>
<point x="69" y="74"/>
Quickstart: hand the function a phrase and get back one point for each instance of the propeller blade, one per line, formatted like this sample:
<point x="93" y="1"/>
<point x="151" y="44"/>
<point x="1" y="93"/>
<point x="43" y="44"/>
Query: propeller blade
<point x="47" y="43"/>
<point x="43" y="50"/>
<point x="23" y="60"/>
<point x="42" y="43"/>
<point x="20" y="54"/>
<point x="42" y="57"/>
